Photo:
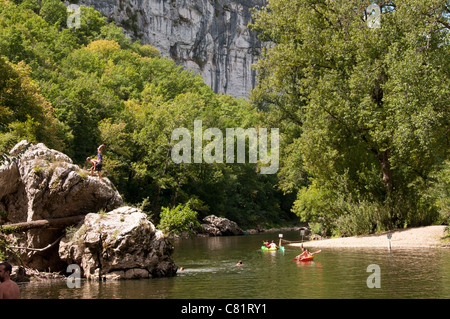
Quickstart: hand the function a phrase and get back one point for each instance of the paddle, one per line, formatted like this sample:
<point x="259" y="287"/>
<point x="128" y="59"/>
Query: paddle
<point x="316" y="252"/>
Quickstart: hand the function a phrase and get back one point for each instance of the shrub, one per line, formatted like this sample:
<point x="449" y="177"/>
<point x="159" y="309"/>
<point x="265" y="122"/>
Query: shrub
<point x="178" y="220"/>
<point x="358" y="218"/>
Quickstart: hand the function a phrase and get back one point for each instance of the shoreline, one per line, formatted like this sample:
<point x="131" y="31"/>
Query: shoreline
<point x="418" y="237"/>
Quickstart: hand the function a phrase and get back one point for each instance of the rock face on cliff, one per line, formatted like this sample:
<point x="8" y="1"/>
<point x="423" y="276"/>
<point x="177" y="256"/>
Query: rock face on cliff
<point x="121" y="244"/>
<point x="40" y="183"/>
<point x="209" y="37"/>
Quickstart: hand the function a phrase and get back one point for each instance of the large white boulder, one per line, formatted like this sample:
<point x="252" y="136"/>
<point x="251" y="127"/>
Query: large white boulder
<point x="121" y="244"/>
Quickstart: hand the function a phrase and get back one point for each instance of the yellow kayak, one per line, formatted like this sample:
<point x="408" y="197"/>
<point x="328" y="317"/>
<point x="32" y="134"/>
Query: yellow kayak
<point x="271" y="249"/>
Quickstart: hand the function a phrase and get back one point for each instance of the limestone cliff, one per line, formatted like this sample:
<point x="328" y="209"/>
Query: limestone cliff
<point x="209" y="37"/>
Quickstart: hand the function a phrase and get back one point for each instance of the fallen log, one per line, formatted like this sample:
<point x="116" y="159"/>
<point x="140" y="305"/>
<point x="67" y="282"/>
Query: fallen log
<point x="42" y="223"/>
<point x="39" y="249"/>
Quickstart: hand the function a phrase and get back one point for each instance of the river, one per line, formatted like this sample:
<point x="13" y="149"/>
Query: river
<point x="210" y="272"/>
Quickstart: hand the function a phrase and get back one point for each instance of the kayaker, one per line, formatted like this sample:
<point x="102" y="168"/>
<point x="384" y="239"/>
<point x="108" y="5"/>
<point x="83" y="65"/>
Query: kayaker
<point x="307" y="254"/>
<point x="303" y="254"/>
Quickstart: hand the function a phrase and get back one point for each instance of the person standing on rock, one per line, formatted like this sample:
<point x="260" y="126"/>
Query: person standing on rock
<point x="8" y="288"/>
<point x="97" y="163"/>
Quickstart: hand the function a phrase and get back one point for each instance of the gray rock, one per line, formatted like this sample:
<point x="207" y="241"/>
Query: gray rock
<point x="121" y="244"/>
<point x="219" y="226"/>
<point x="41" y="183"/>
<point x="210" y="230"/>
<point x="44" y="183"/>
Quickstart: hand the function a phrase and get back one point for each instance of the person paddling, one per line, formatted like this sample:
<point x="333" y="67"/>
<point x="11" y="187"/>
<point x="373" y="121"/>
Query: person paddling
<point x="306" y="255"/>
<point x="8" y="288"/>
<point x="303" y="254"/>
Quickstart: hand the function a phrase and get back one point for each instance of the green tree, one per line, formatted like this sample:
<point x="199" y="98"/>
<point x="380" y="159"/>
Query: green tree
<point x="24" y="112"/>
<point x="54" y="12"/>
<point x="440" y="191"/>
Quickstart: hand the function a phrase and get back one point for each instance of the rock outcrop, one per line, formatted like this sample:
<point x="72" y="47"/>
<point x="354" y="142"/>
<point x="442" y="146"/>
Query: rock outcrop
<point x="219" y="226"/>
<point x="121" y="244"/>
<point x="209" y="37"/>
<point x="38" y="183"/>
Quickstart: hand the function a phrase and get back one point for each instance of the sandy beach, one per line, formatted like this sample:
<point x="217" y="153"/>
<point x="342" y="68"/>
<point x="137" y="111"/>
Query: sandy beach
<point x="429" y="236"/>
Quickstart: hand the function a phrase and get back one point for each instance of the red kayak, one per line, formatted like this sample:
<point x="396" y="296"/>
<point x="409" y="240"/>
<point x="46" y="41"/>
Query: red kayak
<point x="307" y="258"/>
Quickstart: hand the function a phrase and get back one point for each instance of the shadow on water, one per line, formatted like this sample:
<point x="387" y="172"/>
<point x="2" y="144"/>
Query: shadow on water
<point x="210" y="271"/>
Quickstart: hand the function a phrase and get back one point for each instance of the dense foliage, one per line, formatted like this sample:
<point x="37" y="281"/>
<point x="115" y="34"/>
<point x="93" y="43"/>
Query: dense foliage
<point x="364" y="110"/>
<point x="74" y="88"/>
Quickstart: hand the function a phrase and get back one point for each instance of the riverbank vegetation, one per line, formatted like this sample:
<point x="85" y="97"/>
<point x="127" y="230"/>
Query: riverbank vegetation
<point x="363" y="113"/>
<point x="364" y="110"/>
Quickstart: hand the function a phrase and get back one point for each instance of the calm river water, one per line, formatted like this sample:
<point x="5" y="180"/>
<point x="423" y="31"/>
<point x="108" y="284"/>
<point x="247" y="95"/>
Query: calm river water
<point x="210" y="273"/>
